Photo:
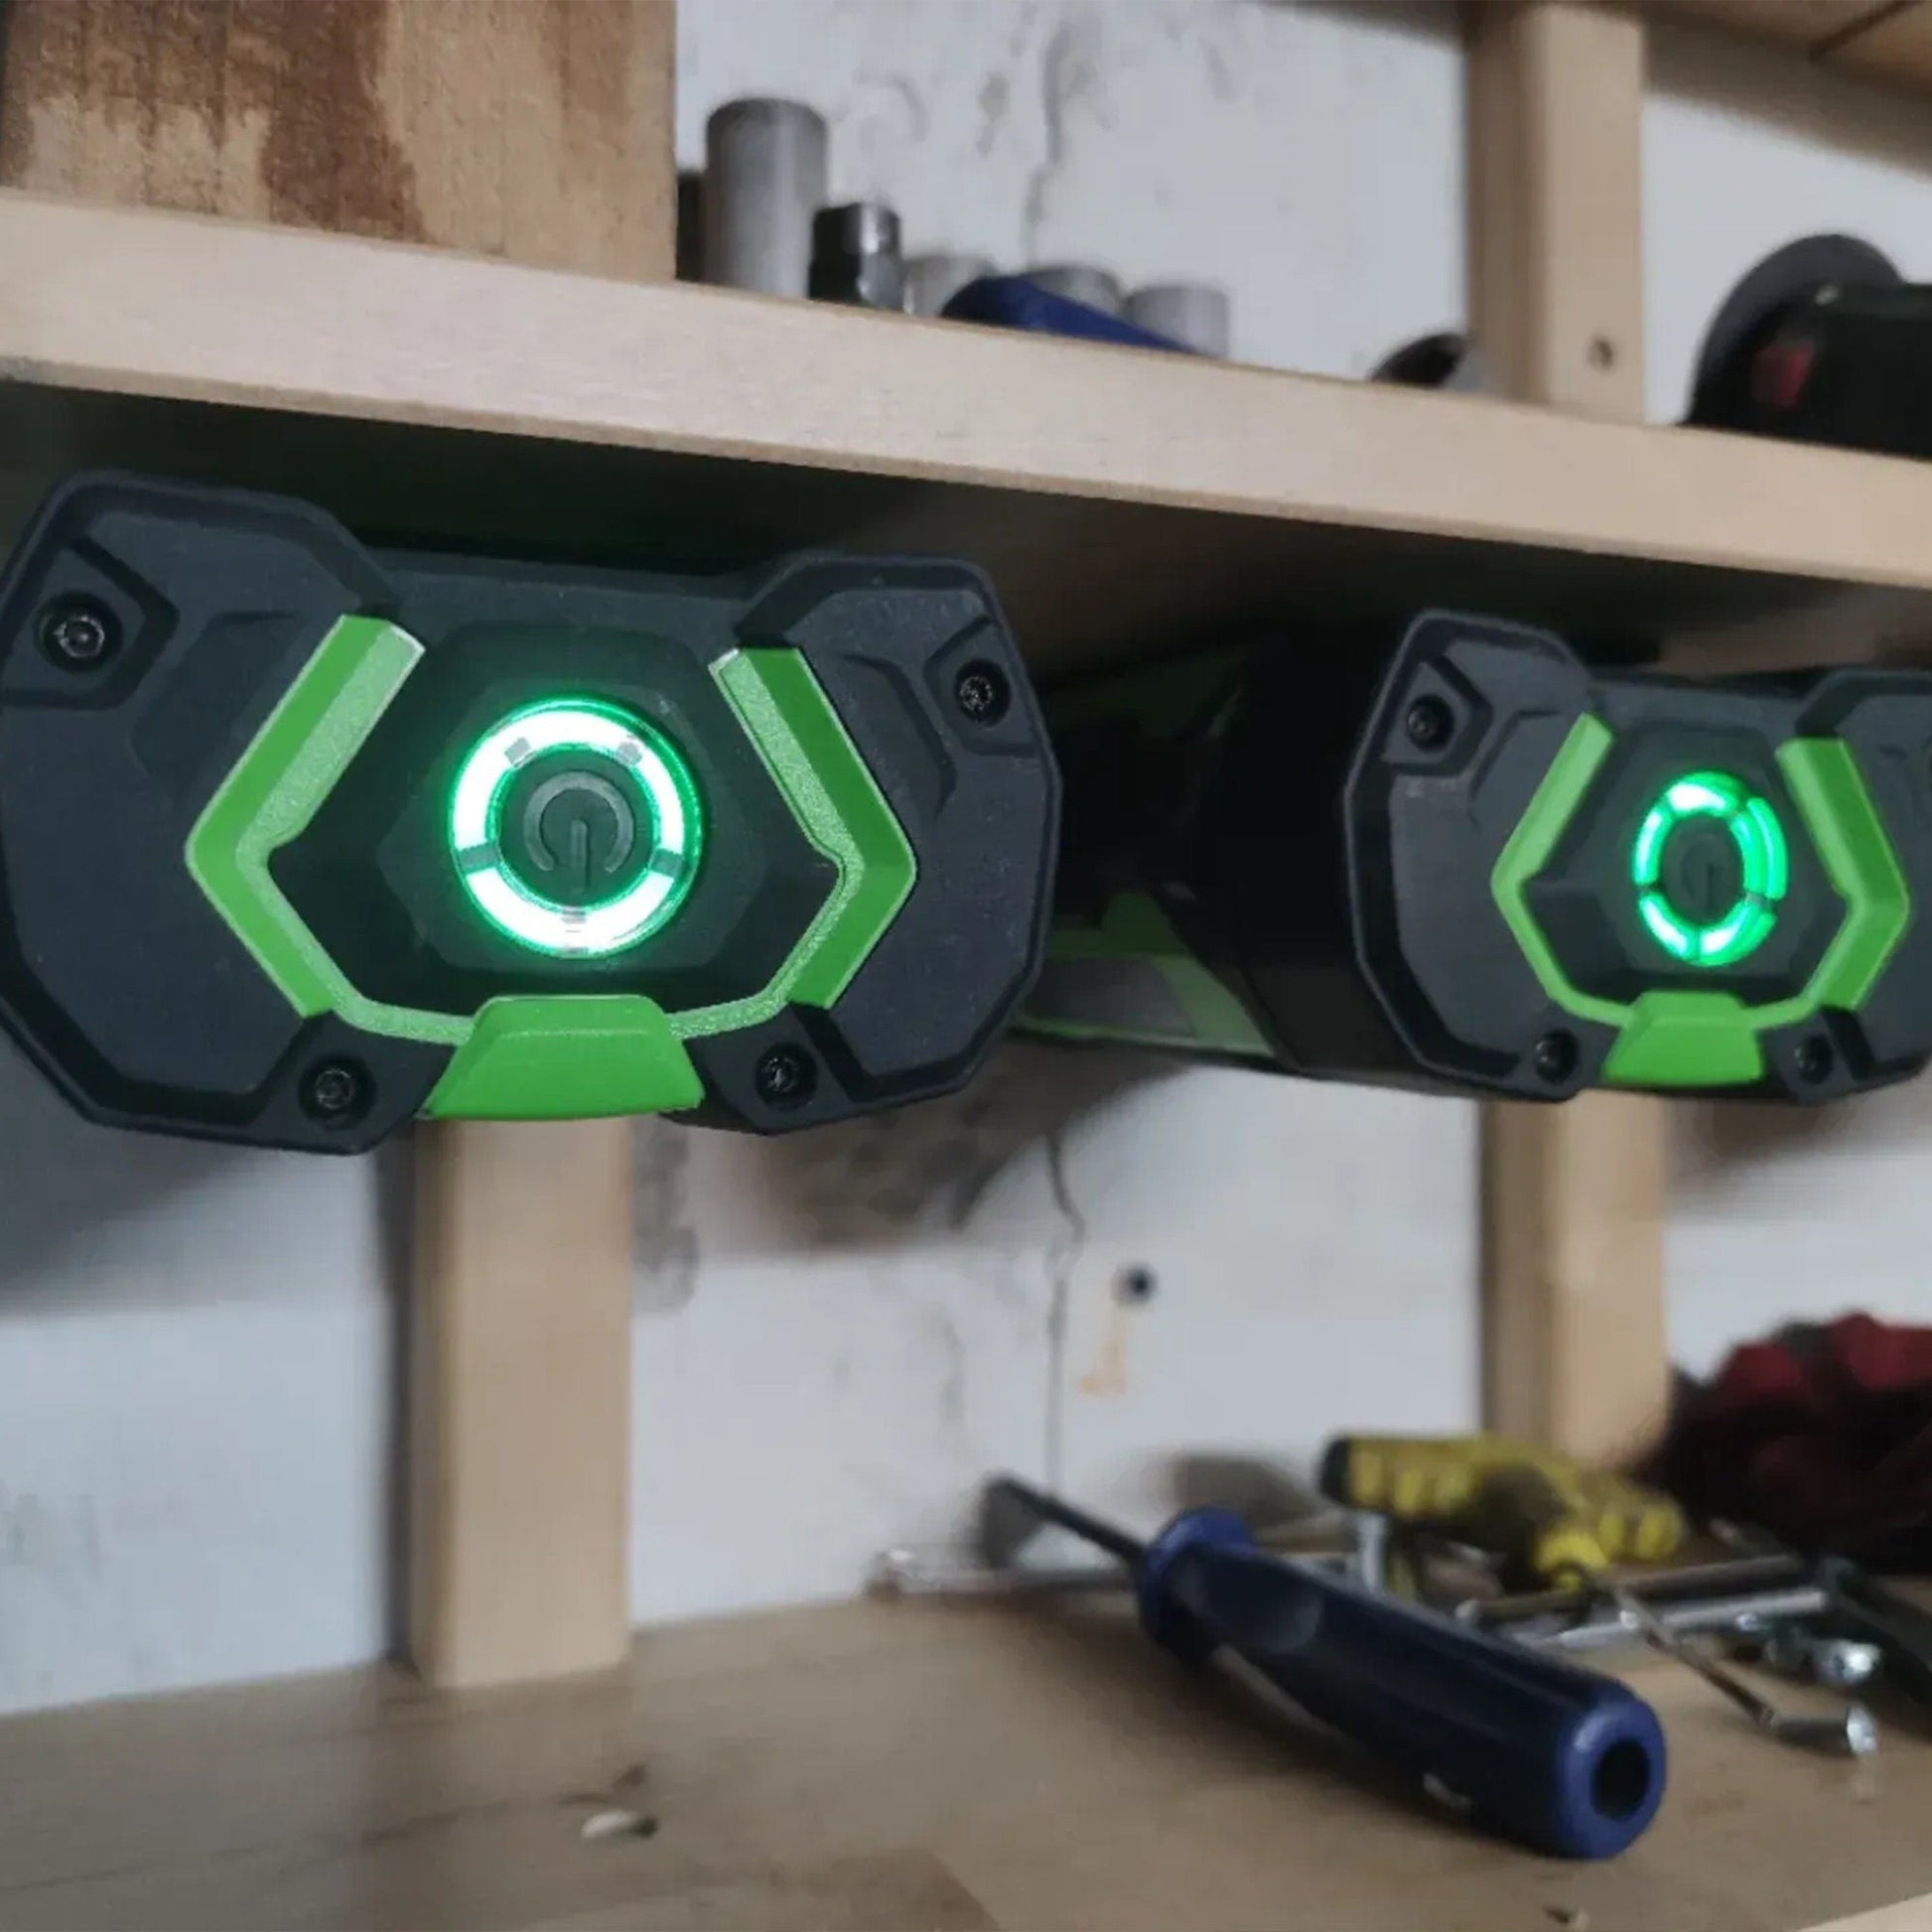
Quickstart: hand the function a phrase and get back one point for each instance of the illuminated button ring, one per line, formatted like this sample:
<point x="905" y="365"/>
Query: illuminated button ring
<point x="576" y="828"/>
<point x="1711" y="868"/>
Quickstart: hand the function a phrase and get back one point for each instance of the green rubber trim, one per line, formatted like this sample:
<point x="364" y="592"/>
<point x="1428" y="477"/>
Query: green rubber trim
<point x="838" y="805"/>
<point x="270" y="796"/>
<point x="569" y="1057"/>
<point x="1712" y="1035"/>
<point x="1676" y="1038"/>
<point x="1845" y="827"/>
<point x="1134" y="928"/>
<point x="1528" y="852"/>
<point x="546" y="1057"/>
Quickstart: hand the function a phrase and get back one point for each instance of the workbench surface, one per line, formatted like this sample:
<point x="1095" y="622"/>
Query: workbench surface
<point x="886" y="1767"/>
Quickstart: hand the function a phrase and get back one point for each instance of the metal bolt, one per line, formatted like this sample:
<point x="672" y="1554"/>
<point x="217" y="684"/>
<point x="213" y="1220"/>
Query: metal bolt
<point x="1814" y="1058"/>
<point x="335" y="1093"/>
<point x="981" y="691"/>
<point x="1555" y="1056"/>
<point x="79" y="633"/>
<point x="1840" y="1664"/>
<point x="786" y="1077"/>
<point x="1429" y="723"/>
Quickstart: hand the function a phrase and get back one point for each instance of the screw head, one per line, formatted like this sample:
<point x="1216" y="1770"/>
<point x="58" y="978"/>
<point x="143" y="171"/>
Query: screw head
<point x="335" y="1093"/>
<point x="1814" y="1058"/>
<point x="982" y="692"/>
<point x="1430" y="724"/>
<point x="77" y="633"/>
<point x="1555" y="1056"/>
<point x="786" y="1077"/>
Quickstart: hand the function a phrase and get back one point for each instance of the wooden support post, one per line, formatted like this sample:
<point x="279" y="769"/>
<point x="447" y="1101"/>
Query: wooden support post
<point x="541" y="130"/>
<point x="1574" y="1337"/>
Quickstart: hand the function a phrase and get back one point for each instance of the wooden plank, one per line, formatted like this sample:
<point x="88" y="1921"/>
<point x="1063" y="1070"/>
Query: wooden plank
<point x="1575" y="1323"/>
<point x="520" y="1400"/>
<point x="1804" y="25"/>
<point x="1888" y="41"/>
<point x="1896" y="48"/>
<point x="536" y="130"/>
<point x="1059" y="1774"/>
<point x="132" y="302"/>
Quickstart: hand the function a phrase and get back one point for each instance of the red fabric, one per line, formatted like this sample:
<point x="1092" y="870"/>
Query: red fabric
<point x="1820" y="1435"/>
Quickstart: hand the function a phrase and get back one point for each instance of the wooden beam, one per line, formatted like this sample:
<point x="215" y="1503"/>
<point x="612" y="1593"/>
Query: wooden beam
<point x="539" y="130"/>
<point x="520" y="1394"/>
<point x="536" y="130"/>
<point x="1575" y="1336"/>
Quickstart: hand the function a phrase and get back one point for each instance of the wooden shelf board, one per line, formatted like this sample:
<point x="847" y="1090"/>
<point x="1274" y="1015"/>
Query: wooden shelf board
<point x="1118" y="496"/>
<point x="880" y="1765"/>
<point x="1888" y="41"/>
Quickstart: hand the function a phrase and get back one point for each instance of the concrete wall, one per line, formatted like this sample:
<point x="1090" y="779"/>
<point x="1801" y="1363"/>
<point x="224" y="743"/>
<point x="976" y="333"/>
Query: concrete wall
<point x="837" y="1335"/>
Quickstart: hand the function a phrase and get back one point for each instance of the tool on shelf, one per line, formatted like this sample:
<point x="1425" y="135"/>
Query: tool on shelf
<point x="1549" y="1517"/>
<point x="1543" y="1514"/>
<point x="932" y="279"/>
<point x="765" y="178"/>
<point x="1516" y="872"/>
<point x="1822" y="341"/>
<point x="484" y="838"/>
<point x="856" y="256"/>
<point x="1565" y="1761"/>
<point x="1192" y="314"/>
<point x="1019" y="302"/>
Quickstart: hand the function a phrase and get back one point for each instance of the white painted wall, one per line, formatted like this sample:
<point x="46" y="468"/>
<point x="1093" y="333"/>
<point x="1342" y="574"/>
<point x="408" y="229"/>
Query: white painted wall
<point x="838" y="1335"/>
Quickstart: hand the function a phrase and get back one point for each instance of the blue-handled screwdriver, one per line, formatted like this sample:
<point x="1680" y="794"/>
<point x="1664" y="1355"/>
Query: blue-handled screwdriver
<point x="1563" y="1760"/>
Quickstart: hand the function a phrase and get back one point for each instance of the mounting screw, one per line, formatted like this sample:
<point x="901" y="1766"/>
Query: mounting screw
<point x="1555" y="1056"/>
<point x="786" y="1077"/>
<point x="335" y="1093"/>
<point x="982" y="692"/>
<point x="77" y="633"/>
<point x="1814" y="1057"/>
<point x="1430" y="724"/>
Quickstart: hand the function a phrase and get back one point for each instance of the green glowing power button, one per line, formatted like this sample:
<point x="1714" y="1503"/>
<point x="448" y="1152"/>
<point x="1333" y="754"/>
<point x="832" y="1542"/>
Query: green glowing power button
<point x="1711" y="868"/>
<point x="576" y="828"/>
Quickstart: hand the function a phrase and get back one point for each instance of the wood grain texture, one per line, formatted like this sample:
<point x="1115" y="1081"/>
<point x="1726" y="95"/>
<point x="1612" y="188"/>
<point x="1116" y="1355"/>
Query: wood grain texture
<point x="520" y="1400"/>
<point x="882" y="1768"/>
<point x="1574" y="1323"/>
<point x="145" y="304"/>
<point x="536" y="130"/>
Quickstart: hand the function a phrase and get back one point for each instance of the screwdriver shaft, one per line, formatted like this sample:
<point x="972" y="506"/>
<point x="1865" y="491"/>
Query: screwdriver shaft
<point x="1051" y="1509"/>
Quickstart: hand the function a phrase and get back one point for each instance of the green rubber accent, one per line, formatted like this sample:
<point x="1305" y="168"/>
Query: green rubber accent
<point x="1845" y="827"/>
<point x="1686" y="1040"/>
<point x="569" y="1057"/>
<point x="1134" y="928"/>
<point x="546" y="1057"/>
<point x="1673" y="1038"/>
<point x="272" y="793"/>
<point x="1528" y="852"/>
<point x="840" y="809"/>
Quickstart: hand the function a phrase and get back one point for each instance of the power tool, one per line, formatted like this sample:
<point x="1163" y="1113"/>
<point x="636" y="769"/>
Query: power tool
<point x="1823" y="342"/>
<point x="299" y="839"/>
<point x="1451" y="855"/>
<point x="1566" y="1762"/>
